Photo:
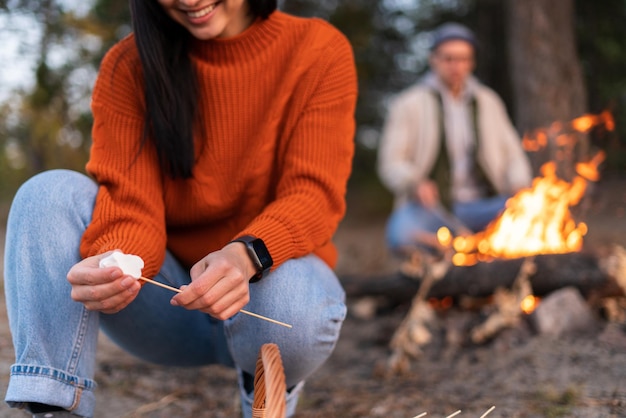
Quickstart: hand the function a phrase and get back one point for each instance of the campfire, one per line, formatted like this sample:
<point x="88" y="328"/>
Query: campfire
<point x="536" y="220"/>
<point x="535" y="232"/>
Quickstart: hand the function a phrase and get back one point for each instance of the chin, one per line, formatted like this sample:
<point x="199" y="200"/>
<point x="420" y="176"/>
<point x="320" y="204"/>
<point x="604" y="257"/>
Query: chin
<point x="204" y="34"/>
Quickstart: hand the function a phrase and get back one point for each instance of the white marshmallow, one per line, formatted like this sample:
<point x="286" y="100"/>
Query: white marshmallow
<point x="128" y="263"/>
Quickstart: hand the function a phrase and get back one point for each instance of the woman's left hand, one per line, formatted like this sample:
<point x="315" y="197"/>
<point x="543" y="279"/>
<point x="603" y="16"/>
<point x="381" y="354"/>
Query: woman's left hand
<point x="219" y="283"/>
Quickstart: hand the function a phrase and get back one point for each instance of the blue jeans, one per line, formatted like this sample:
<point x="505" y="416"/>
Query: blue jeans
<point x="55" y="338"/>
<point x="411" y="218"/>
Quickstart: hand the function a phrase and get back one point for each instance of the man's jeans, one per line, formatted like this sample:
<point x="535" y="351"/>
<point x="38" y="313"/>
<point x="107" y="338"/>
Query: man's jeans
<point x="411" y="218"/>
<point x="55" y="338"/>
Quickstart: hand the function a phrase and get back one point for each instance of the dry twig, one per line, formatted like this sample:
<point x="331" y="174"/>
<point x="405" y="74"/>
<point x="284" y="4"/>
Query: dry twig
<point x="413" y="332"/>
<point x="508" y="304"/>
<point x="153" y="406"/>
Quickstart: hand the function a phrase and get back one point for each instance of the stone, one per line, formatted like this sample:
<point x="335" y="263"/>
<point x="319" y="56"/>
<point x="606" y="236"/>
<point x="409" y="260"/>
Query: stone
<point x="563" y="312"/>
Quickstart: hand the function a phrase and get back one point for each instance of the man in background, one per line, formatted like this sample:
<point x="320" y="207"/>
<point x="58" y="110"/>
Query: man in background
<point x="448" y="151"/>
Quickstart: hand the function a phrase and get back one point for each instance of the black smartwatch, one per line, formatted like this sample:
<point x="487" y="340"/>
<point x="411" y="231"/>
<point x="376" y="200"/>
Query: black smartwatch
<point x="259" y="255"/>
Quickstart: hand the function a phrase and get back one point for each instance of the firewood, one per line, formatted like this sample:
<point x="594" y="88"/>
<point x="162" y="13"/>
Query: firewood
<point x="414" y="331"/>
<point x="585" y="271"/>
<point x="508" y="304"/>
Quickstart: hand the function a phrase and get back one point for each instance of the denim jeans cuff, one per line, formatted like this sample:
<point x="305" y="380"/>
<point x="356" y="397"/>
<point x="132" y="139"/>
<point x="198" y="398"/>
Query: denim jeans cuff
<point x="50" y="386"/>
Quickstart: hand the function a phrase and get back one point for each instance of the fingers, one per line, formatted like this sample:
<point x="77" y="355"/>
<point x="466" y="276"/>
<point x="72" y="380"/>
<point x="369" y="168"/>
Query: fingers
<point x="109" y="297"/>
<point x="219" y="285"/>
<point x="88" y="272"/>
<point x="221" y="302"/>
<point x="106" y="290"/>
<point x="220" y="298"/>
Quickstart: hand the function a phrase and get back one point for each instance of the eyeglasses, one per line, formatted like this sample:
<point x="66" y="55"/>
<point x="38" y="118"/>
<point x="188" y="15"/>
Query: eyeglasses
<point x="449" y="59"/>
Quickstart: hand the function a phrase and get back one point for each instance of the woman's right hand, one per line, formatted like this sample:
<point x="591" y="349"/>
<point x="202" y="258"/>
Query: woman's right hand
<point x="106" y="290"/>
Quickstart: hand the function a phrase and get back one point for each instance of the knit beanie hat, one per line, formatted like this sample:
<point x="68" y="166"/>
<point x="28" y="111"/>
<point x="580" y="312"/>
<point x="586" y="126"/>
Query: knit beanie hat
<point x="452" y="31"/>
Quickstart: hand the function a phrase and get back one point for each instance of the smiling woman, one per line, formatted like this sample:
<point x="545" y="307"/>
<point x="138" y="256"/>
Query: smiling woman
<point x="222" y="144"/>
<point x="210" y="19"/>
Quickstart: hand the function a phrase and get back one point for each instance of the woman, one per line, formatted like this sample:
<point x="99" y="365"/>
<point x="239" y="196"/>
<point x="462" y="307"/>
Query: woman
<point x="222" y="140"/>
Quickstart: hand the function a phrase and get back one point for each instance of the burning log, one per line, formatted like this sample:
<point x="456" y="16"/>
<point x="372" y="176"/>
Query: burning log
<point x="583" y="271"/>
<point x="553" y="271"/>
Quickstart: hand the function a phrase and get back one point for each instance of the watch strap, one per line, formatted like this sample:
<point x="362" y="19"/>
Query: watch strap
<point x="258" y="253"/>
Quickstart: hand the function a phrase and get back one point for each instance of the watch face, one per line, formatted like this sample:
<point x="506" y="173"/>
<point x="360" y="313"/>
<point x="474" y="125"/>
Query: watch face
<point x="262" y="254"/>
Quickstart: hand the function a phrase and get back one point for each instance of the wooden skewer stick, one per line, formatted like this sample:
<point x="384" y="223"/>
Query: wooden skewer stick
<point x="174" y="289"/>
<point x="164" y="286"/>
<point x="488" y="411"/>
<point x="265" y="318"/>
<point x="423" y="414"/>
<point x="454" y="414"/>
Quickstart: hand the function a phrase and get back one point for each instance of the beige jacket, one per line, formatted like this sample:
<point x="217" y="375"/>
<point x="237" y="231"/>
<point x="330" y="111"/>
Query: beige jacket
<point x="410" y="142"/>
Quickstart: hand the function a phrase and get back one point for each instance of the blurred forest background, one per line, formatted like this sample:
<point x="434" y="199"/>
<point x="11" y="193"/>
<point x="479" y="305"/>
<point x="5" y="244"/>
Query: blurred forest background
<point x="550" y="60"/>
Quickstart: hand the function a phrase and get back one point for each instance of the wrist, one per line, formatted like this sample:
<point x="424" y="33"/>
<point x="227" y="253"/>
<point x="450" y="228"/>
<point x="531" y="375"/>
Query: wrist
<point x="241" y="253"/>
<point x="258" y="256"/>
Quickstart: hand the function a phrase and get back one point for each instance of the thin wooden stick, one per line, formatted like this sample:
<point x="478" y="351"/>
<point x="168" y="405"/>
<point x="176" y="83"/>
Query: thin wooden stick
<point x="488" y="411"/>
<point x="264" y="318"/>
<point x="454" y="414"/>
<point x="164" y="286"/>
<point x="174" y="289"/>
<point x="423" y="414"/>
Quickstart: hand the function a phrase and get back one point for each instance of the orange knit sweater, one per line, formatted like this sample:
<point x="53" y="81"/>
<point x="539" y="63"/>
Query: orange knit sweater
<point x="277" y="105"/>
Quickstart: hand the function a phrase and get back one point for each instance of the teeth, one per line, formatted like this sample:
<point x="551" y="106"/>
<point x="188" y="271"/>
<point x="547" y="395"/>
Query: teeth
<point x="202" y="12"/>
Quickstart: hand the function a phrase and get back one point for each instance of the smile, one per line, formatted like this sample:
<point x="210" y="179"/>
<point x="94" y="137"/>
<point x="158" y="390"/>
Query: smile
<point x="202" y="12"/>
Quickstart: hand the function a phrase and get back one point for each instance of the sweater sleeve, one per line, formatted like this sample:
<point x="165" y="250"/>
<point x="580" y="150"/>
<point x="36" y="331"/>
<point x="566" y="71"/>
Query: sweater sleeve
<point x="316" y="162"/>
<point x="129" y="212"/>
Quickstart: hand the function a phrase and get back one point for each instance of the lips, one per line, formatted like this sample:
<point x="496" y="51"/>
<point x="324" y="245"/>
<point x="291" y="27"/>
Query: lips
<point x="196" y="14"/>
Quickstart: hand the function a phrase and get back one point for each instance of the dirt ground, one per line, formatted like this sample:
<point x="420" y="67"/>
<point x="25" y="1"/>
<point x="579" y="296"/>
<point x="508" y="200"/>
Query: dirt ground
<point x="521" y="373"/>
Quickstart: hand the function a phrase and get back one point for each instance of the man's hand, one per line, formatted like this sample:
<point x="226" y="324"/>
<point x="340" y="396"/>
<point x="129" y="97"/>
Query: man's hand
<point x="106" y="290"/>
<point x="219" y="283"/>
<point x="427" y="193"/>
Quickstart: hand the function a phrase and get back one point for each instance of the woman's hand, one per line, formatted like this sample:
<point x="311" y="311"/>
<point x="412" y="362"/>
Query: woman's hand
<point x="106" y="290"/>
<point x="219" y="283"/>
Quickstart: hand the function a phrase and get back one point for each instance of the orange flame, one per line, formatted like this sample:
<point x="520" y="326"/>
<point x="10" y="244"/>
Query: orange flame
<point x="586" y="122"/>
<point x="537" y="220"/>
<point x="441" y="304"/>
<point x="539" y="139"/>
<point x="529" y="303"/>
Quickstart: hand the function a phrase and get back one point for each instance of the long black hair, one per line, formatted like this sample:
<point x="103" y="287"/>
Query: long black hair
<point x="170" y="82"/>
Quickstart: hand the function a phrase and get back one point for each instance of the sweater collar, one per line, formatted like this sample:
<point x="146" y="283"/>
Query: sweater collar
<point x="259" y="36"/>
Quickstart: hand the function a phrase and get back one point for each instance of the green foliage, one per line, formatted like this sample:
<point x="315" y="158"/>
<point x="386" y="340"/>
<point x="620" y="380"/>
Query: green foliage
<point x="48" y="125"/>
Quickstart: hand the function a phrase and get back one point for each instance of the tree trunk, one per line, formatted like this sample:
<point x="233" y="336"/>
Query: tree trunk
<point x="546" y="71"/>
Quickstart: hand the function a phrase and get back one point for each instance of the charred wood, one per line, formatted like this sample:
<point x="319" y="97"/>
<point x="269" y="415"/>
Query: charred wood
<point x="554" y="271"/>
